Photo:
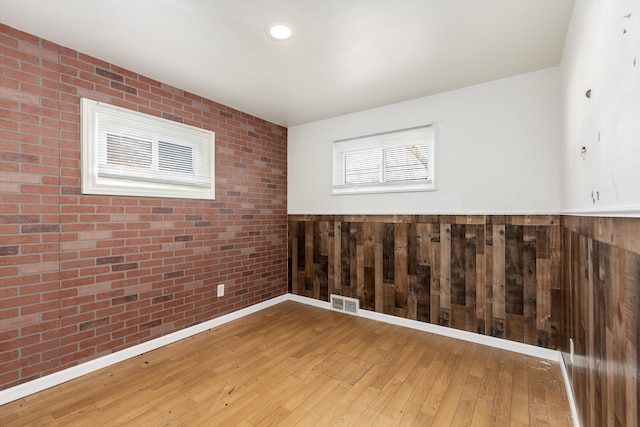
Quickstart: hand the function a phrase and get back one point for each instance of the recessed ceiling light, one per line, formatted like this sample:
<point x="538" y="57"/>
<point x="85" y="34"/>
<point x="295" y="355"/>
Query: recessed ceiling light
<point x="279" y="30"/>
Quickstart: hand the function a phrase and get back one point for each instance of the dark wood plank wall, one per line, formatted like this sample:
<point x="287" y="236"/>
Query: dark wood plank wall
<point x="600" y="282"/>
<point x="494" y="275"/>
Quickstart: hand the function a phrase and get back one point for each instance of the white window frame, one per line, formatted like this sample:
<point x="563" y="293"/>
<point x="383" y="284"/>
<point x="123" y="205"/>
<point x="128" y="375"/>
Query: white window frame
<point x="102" y="122"/>
<point x="419" y="135"/>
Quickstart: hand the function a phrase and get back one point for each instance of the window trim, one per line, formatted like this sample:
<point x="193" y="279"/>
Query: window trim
<point x="382" y="140"/>
<point x="98" y="118"/>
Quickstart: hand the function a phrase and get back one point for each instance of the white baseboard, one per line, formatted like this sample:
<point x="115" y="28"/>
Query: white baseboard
<point x="531" y="350"/>
<point x="570" y="396"/>
<point x="309" y="301"/>
<point x="34" y="386"/>
<point x="503" y="344"/>
<point x="43" y="383"/>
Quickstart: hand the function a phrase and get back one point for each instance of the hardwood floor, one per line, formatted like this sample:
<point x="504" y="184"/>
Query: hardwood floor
<point x="293" y="364"/>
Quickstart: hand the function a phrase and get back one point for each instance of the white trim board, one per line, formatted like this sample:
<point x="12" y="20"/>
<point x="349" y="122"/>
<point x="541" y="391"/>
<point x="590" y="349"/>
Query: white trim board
<point x="503" y="344"/>
<point x="570" y="396"/>
<point x="617" y="212"/>
<point x="39" y="384"/>
<point x="43" y="383"/>
<point x="530" y="350"/>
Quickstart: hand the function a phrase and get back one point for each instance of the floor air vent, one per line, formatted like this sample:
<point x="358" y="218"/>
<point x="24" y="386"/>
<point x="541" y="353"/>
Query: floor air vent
<point x="345" y="304"/>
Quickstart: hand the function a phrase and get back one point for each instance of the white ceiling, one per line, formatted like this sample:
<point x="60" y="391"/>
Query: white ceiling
<point x="346" y="55"/>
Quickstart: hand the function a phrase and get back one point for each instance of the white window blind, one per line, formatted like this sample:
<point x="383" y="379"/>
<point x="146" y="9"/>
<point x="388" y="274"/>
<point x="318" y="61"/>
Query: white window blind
<point x="362" y="167"/>
<point x="129" y="153"/>
<point x="401" y="160"/>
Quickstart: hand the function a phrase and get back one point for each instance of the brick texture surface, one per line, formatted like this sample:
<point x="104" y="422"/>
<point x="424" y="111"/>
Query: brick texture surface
<point x="84" y="275"/>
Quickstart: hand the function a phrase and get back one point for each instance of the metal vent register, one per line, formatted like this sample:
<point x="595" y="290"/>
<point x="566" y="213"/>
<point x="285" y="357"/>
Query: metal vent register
<point x="345" y="304"/>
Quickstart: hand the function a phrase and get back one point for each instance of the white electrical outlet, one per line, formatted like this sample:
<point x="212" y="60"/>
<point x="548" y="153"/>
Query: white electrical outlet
<point x="220" y="290"/>
<point x="571" y="350"/>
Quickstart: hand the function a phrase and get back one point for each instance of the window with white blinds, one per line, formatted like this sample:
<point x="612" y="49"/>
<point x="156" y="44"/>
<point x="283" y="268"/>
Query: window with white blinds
<point x="401" y="160"/>
<point x="130" y="153"/>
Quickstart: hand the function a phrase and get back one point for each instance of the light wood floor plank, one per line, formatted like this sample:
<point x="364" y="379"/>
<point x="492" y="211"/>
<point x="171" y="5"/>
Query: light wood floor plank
<point x="519" y="395"/>
<point x="441" y="384"/>
<point x="451" y="403"/>
<point x="293" y="364"/>
<point x="501" y="411"/>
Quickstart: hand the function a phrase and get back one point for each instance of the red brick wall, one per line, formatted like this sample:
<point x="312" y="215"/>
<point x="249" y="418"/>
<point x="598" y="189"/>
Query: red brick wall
<point x="83" y="275"/>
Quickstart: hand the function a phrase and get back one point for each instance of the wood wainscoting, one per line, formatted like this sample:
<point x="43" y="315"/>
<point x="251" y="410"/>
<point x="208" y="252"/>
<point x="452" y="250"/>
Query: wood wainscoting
<point x="601" y="280"/>
<point x="495" y="275"/>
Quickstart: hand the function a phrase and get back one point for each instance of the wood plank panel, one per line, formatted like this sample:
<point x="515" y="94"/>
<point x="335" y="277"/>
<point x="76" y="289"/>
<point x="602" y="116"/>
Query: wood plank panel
<point x="388" y="247"/>
<point x="345" y="258"/>
<point x="331" y="256"/>
<point x="322" y="271"/>
<point x="601" y="273"/>
<point x="434" y="255"/>
<point x="470" y="283"/>
<point x="379" y="266"/>
<point x="309" y="266"/>
<point x="292" y="258"/>
<point x="360" y="273"/>
<point x="529" y="270"/>
<point x="337" y="256"/>
<point x="369" y="267"/>
<point x="559" y="295"/>
<point x="487" y="274"/>
<point x="513" y="270"/>
<point x="543" y="299"/>
<point x="423" y="272"/>
<point x="401" y="265"/>
<point x="457" y="264"/>
<point x="498" y="276"/>
<point x="445" y="273"/>
<point x="632" y="331"/>
<point x="481" y="282"/>
<point x="490" y="279"/>
<point x="355" y="240"/>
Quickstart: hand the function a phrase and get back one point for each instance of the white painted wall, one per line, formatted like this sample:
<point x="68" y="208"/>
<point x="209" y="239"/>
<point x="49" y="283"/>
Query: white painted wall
<point x="601" y="46"/>
<point x="497" y="152"/>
